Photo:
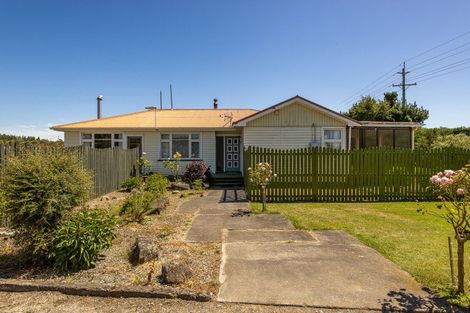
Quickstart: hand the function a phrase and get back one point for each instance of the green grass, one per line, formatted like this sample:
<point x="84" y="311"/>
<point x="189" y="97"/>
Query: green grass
<point x="416" y="242"/>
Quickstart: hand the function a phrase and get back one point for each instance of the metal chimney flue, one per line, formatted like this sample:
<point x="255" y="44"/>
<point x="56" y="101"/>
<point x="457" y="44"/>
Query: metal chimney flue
<point x="99" y="99"/>
<point x="216" y="103"/>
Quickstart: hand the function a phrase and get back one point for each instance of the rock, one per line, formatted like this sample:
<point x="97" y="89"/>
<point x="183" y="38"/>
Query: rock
<point x="143" y="250"/>
<point x="7" y="233"/>
<point x="135" y="190"/>
<point x="241" y="212"/>
<point x="175" y="273"/>
<point x="159" y="204"/>
<point x="179" y="186"/>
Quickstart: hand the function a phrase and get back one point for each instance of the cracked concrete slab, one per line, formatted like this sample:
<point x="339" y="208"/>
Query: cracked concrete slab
<point x="267" y="236"/>
<point x="335" y="271"/>
<point x="208" y="227"/>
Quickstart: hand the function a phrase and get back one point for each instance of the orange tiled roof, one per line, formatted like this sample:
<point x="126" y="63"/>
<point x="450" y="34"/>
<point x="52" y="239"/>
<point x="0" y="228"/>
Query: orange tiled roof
<point x="177" y="118"/>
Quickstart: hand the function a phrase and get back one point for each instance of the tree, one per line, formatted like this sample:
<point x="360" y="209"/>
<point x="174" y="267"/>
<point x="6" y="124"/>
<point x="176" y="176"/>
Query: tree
<point x="387" y="110"/>
<point x="452" y="141"/>
<point x="453" y="188"/>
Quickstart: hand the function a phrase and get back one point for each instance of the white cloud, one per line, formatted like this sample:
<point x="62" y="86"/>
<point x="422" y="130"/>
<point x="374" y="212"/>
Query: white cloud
<point x="42" y="131"/>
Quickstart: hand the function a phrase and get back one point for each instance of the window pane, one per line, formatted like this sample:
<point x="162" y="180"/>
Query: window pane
<point x="86" y="136"/>
<point x="165" y="136"/>
<point x="181" y="146"/>
<point x="165" y="150"/>
<point x="103" y="136"/>
<point x="195" y="149"/>
<point x="118" y="136"/>
<point x="180" y="136"/>
<point x="403" y="138"/>
<point x="87" y="144"/>
<point x="102" y="144"/>
<point x="370" y="138"/>
<point x="333" y="145"/>
<point x="385" y="137"/>
<point x="355" y="138"/>
<point x="332" y="134"/>
<point x="194" y="136"/>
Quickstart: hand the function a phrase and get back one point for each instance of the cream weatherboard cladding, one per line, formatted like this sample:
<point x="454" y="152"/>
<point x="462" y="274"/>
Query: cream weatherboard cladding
<point x="292" y="126"/>
<point x="297" y="115"/>
<point x="207" y="151"/>
<point x="71" y="138"/>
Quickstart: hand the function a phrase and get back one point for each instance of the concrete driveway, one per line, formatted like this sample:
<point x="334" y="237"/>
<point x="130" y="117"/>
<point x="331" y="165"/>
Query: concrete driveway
<point x="266" y="261"/>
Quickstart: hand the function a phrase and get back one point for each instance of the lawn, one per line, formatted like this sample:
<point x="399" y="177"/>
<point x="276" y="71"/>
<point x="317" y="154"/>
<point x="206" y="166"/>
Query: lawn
<point x="417" y="243"/>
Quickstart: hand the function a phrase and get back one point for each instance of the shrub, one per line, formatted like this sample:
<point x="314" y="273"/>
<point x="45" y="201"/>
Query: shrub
<point x="173" y="165"/>
<point x="138" y="206"/>
<point x="261" y="175"/>
<point x="198" y="184"/>
<point x="78" y="241"/>
<point x="156" y="183"/>
<point x="38" y="190"/>
<point x="196" y="170"/>
<point x="132" y="183"/>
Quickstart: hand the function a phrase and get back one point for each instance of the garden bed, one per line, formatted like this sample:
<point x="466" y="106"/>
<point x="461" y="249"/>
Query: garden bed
<point x="113" y="269"/>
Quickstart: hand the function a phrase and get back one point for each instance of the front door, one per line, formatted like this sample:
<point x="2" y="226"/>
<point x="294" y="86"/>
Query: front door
<point x="232" y="154"/>
<point x="135" y="142"/>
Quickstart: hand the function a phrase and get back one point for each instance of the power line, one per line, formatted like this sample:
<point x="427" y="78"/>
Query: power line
<point x="443" y="74"/>
<point x="438" y="46"/>
<point x="441" y="59"/>
<point x="374" y="83"/>
<point x="443" y="68"/>
<point x="404" y="86"/>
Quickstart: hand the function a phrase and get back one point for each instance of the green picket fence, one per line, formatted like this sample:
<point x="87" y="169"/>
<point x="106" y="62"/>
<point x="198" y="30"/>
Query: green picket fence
<point x="376" y="174"/>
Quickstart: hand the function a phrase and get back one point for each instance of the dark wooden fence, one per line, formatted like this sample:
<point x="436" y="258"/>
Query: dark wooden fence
<point x="377" y="174"/>
<point x="109" y="167"/>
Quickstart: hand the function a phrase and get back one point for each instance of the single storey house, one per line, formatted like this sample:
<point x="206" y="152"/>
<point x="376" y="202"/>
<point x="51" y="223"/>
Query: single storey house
<point x="218" y="136"/>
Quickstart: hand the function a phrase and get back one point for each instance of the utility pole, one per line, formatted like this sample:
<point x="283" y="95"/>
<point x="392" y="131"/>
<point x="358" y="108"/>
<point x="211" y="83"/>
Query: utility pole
<point x="403" y="84"/>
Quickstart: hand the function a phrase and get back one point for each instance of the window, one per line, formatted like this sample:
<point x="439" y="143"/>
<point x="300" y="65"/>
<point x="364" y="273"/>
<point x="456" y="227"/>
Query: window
<point x="188" y="145"/>
<point x="102" y="141"/>
<point x="370" y="137"/>
<point x="333" y="138"/>
<point x="385" y="137"/>
<point x="87" y="140"/>
<point x="403" y="138"/>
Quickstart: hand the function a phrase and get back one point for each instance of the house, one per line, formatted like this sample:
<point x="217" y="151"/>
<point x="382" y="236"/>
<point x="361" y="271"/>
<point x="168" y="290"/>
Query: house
<point x="218" y="136"/>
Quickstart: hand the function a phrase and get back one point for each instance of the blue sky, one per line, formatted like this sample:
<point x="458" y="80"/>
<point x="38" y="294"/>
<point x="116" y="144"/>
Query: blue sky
<point x="57" y="56"/>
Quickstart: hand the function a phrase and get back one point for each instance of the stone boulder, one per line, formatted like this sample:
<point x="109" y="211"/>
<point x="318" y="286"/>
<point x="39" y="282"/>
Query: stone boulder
<point x="159" y="204"/>
<point x="175" y="273"/>
<point x="143" y="250"/>
<point x="179" y="186"/>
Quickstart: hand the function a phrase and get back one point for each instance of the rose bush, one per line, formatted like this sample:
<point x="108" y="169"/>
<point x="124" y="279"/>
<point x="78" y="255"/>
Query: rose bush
<point x="261" y="175"/>
<point x="452" y="188"/>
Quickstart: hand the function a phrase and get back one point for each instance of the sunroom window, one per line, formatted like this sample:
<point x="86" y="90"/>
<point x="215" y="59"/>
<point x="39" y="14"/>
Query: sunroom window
<point x="333" y="138"/>
<point x="188" y="145"/>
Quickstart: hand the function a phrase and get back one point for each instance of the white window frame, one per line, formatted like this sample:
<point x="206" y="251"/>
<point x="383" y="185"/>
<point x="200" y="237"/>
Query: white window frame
<point x="342" y="141"/>
<point x="190" y="141"/>
<point x="92" y="140"/>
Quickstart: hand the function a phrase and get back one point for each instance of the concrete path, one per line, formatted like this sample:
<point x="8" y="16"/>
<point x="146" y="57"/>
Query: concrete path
<point x="266" y="261"/>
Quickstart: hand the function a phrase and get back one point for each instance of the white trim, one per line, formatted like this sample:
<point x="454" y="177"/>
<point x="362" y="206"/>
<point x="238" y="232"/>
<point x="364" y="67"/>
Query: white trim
<point x="170" y="141"/>
<point x="141" y="141"/>
<point x="342" y="140"/>
<point x="92" y="140"/>
<point x="335" y="115"/>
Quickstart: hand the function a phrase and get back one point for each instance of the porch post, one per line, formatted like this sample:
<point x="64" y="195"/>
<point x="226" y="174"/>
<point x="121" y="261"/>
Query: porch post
<point x="349" y="131"/>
